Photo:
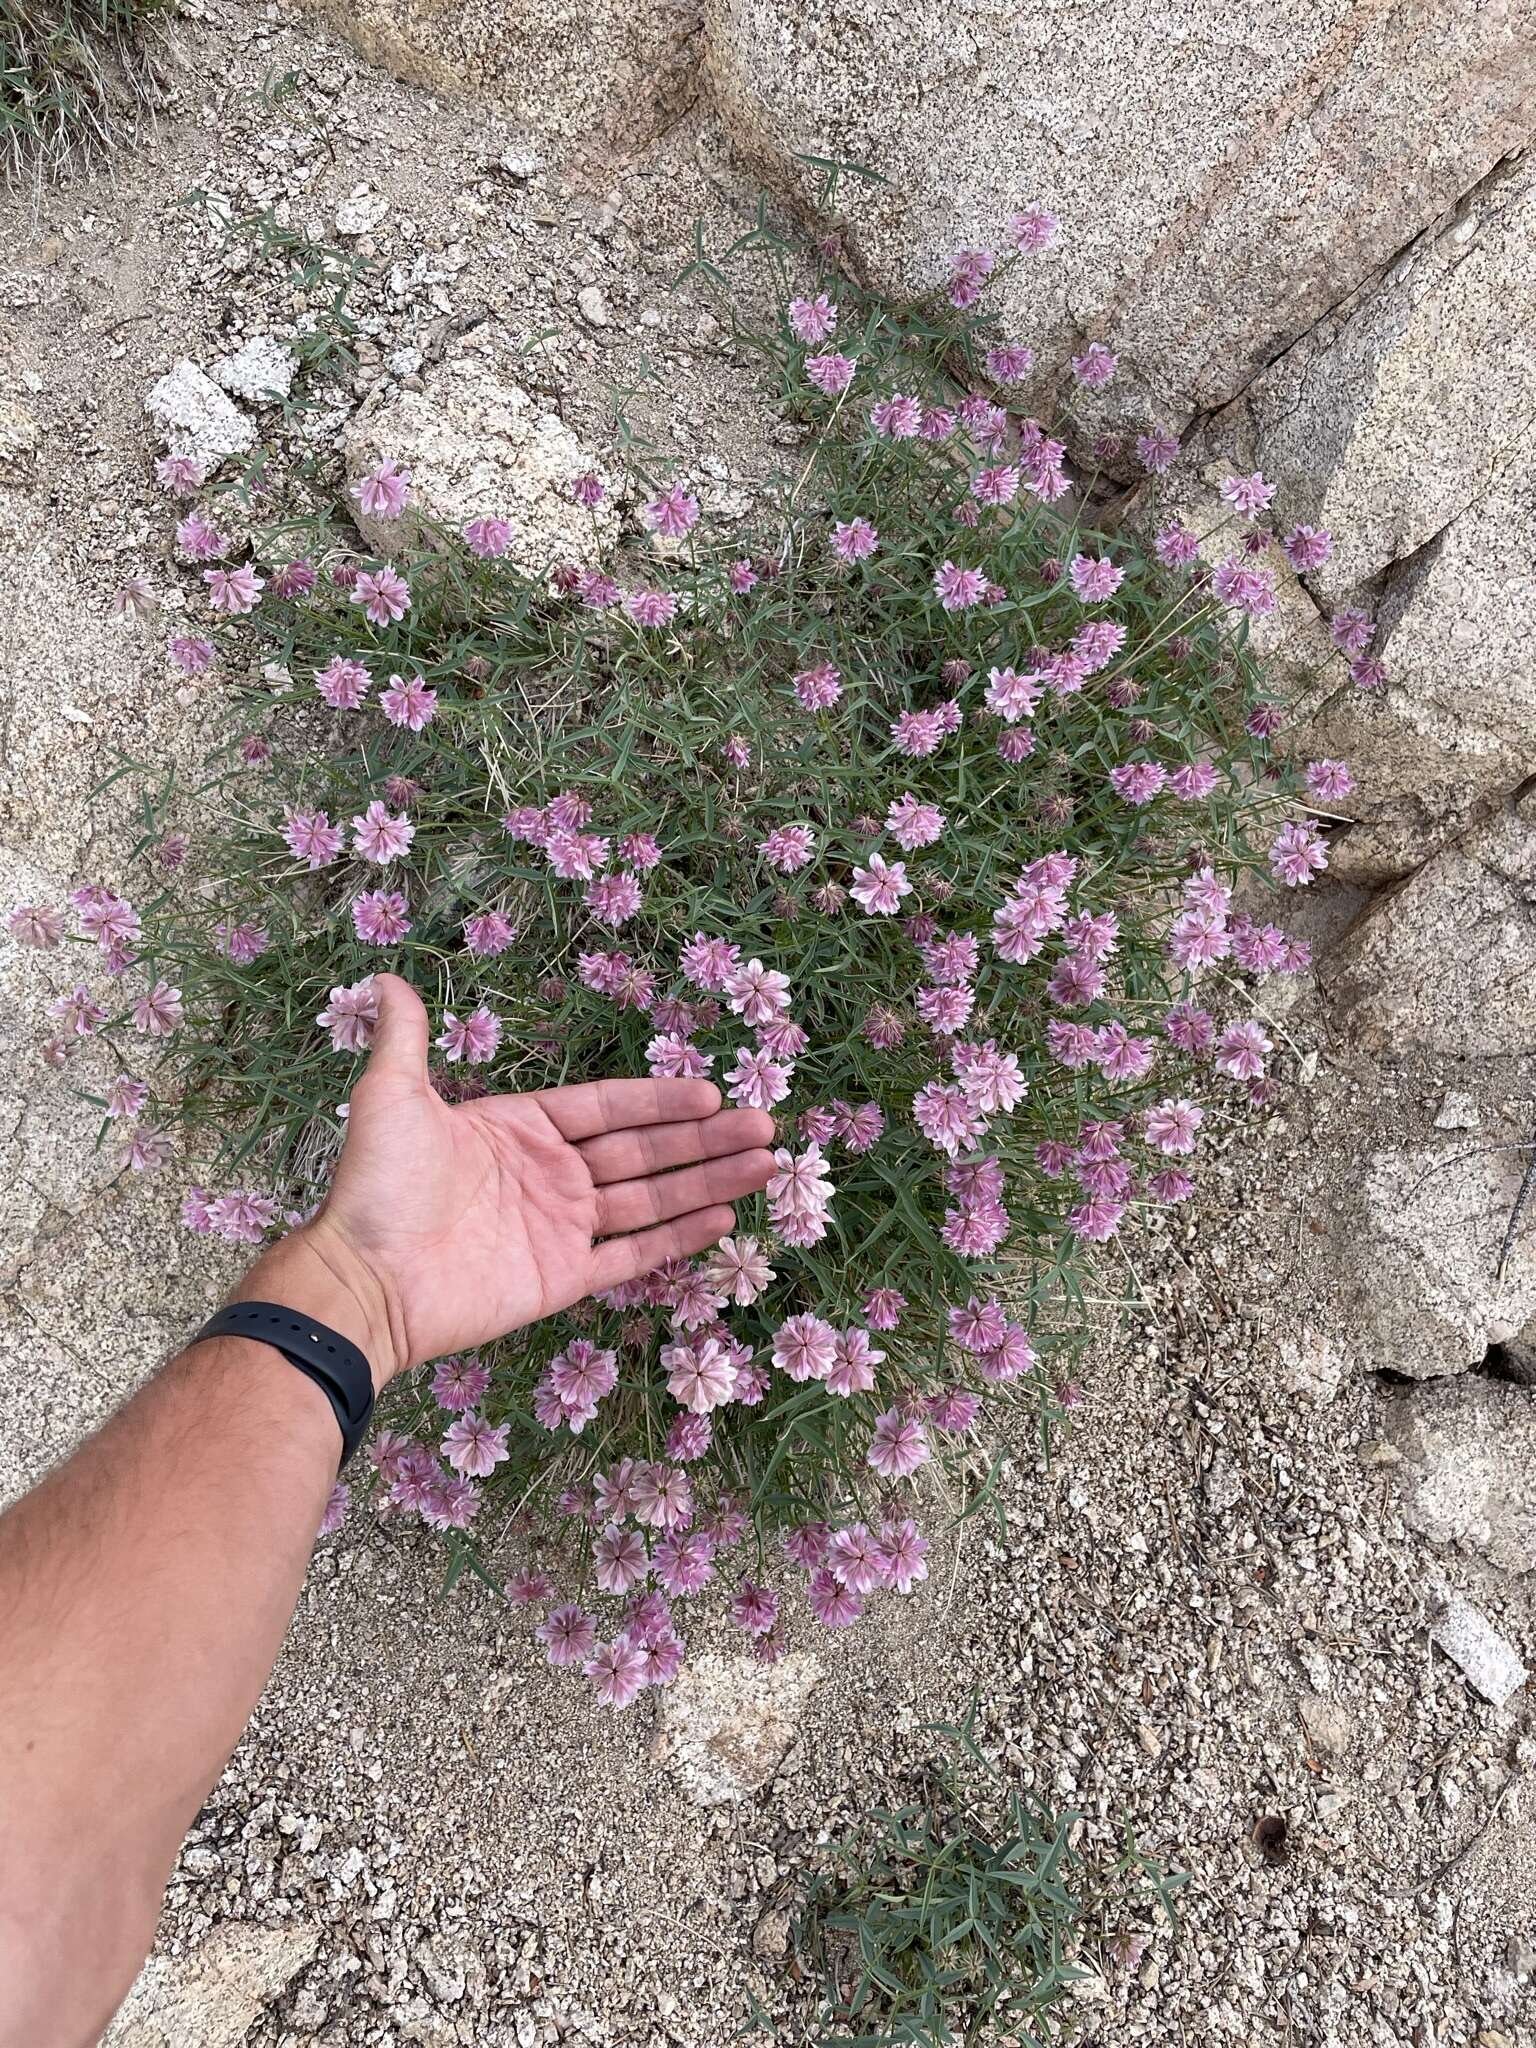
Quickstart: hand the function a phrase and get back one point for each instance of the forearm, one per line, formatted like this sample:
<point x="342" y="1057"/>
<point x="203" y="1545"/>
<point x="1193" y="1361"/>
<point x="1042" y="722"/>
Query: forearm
<point x="145" y="1589"/>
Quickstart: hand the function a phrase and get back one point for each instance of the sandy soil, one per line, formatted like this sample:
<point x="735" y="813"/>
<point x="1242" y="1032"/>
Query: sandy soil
<point x="1206" y="1613"/>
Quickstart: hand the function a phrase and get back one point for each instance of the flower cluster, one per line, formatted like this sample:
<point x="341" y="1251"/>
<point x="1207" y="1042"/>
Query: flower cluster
<point x="929" y="820"/>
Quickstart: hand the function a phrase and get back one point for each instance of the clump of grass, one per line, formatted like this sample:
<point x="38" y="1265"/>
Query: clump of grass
<point x="71" y="71"/>
<point x="958" y="1917"/>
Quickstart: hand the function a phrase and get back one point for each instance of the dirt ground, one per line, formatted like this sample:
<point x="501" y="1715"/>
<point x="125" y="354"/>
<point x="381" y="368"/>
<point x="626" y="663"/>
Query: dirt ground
<point x="1207" y="1617"/>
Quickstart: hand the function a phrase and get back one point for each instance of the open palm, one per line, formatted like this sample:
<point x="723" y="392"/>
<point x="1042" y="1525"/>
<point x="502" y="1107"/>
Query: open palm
<point x="477" y="1218"/>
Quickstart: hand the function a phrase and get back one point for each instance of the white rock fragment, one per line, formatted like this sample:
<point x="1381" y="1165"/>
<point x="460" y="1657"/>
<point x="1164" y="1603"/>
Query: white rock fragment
<point x="20" y="439"/>
<point x="1458" y="1112"/>
<point x="361" y="211"/>
<point x="1488" y="1661"/>
<point x="477" y="444"/>
<point x="1329" y="1728"/>
<point x="1311" y="1364"/>
<point x="592" y="306"/>
<point x="1222" y="1484"/>
<point x="727" y="1723"/>
<point x="259" y="371"/>
<point x="196" y="418"/>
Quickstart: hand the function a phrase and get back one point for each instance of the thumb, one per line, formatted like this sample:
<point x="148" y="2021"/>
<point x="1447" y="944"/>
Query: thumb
<point x="400" y="1036"/>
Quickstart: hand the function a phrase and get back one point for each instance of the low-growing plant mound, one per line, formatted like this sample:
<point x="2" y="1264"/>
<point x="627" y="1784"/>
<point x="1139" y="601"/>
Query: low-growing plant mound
<point x="960" y="1916"/>
<point x="912" y="811"/>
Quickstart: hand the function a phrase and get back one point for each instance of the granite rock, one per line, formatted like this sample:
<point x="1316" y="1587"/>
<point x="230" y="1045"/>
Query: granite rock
<point x="1222" y="185"/>
<point x="1468" y="1469"/>
<point x="476" y="443"/>
<point x="1413" y="1253"/>
<point x="1446" y="962"/>
<point x="1399" y="413"/>
<point x="196" y="418"/>
<point x="726" y="1723"/>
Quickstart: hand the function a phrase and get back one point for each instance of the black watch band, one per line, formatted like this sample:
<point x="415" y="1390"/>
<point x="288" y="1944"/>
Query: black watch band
<point x="332" y="1361"/>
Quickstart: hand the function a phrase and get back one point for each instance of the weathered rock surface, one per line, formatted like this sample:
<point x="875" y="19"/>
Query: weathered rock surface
<point x="1447" y="962"/>
<point x="20" y="439"/>
<point x="260" y="370"/>
<point x="1413" y="1258"/>
<point x="73" y="682"/>
<point x="1454" y="732"/>
<point x="196" y="418"/>
<point x="1291" y="641"/>
<point x="477" y="444"/>
<point x="212" y="1996"/>
<point x="1468" y="1470"/>
<point x="1395" y="415"/>
<point x="634" y="76"/>
<point x="726" y="1722"/>
<point x="1405" y="423"/>
<point x="1221" y="189"/>
<point x="1455" y="626"/>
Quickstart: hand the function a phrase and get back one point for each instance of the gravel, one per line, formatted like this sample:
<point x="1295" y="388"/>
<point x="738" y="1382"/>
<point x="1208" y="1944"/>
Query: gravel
<point x="1204" y="1617"/>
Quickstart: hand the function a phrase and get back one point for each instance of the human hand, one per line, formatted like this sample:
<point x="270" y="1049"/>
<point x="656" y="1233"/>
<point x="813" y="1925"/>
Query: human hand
<point x="449" y="1225"/>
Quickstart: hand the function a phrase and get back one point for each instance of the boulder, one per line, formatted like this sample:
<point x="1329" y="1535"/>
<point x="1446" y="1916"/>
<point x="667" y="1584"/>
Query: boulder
<point x="1410" y="1264"/>
<point x="1455" y="627"/>
<point x="476" y="444"/>
<point x="1446" y="963"/>
<point x="1468" y="1466"/>
<point x="1292" y="641"/>
<point x="634" y="76"/>
<point x="726" y="1723"/>
<point x="1219" y="193"/>
<point x="1454" y="732"/>
<point x="1403" y="423"/>
<point x="1399" y="412"/>
<point x="417" y="43"/>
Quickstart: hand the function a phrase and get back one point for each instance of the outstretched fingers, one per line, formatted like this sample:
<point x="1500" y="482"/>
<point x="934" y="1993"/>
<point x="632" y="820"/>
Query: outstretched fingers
<point x="618" y="1259"/>
<point x="590" y="1108"/>
<point x="654" y="1148"/>
<point x="634" y="1204"/>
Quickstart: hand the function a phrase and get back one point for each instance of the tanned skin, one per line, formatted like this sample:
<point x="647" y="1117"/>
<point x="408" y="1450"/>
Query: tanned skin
<point x="147" y="1583"/>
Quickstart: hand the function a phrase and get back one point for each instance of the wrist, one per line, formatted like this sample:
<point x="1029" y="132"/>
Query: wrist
<point x="315" y="1271"/>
